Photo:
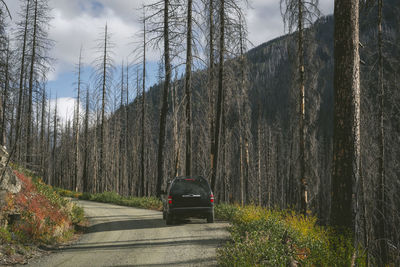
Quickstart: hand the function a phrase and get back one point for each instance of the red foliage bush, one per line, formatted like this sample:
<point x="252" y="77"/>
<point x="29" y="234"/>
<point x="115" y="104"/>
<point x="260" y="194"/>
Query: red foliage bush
<point x="41" y="221"/>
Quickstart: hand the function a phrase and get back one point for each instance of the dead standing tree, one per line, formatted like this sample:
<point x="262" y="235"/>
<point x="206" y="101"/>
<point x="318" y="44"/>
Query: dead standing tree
<point x="85" y="175"/>
<point x="6" y="7"/>
<point x="191" y="30"/>
<point x="142" y="156"/>
<point x="229" y="18"/>
<point x="30" y="88"/>
<point x="52" y="177"/>
<point x="188" y="85"/>
<point x="39" y="60"/>
<point x="161" y="30"/>
<point x="43" y="147"/>
<point x="346" y="131"/>
<point x="297" y="15"/>
<point x="382" y="200"/>
<point x="236" y="101"/>
<point x="103" y="79"/>
<point x="210" y="5"/>
<point x="166" y="31"/>
<point x="22" y="36"/>
<point x="76" y="123"/>
<point x="244" y="111"/>
<point x="140" y="61"/>
<point x="217" y="133"/>
<point x="176" y="106"/>
<point x="127" y="132"/>
<point x="122" y="139"/>
<point x="6" y="70"/>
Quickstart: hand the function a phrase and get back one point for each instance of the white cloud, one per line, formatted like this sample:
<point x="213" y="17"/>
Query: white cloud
<point x="326" y="7"/>
<point x="65" y="108"/>
<point x="85" y="30"/>
<point x="78" y="22"/>
<point x="81" y="22"/>
<point x="265" y="20"/>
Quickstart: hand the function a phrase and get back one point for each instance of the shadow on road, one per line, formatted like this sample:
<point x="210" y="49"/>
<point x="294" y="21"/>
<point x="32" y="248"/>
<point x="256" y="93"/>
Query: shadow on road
<point x="139" y="240"/>
<point x="122" y="216"/>
<point x="214" y="242"/>
<point x="139" y="223"/>
<point x="109" y="207"/>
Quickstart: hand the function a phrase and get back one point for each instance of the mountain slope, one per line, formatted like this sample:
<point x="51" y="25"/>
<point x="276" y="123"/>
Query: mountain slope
<point x="273" y="106"/>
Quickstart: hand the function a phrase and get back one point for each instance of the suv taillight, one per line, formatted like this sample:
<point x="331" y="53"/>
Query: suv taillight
<point x="211" y="198"/>
<point x="169" y="199"/>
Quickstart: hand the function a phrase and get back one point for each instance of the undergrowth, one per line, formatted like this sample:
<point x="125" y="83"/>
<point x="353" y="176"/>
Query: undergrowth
<point x="151" y="203"/>
<point x="67" y="193"/>
<point x="44" y="217"/>
<point x="265" y="237"/>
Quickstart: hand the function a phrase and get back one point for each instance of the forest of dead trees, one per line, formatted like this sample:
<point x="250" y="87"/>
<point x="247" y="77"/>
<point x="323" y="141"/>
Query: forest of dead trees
<point x="308" y="121"/>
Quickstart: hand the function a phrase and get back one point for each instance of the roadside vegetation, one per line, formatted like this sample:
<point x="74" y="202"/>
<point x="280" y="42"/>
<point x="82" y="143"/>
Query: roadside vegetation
<point x="151" y="203"/>
<point x="261" y="236"/>
<point x="267" y="237"/>
<point x="37" y="216"/>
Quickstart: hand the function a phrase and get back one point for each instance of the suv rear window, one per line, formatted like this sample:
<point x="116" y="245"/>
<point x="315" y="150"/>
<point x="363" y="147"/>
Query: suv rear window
<point x="190" y="186"/>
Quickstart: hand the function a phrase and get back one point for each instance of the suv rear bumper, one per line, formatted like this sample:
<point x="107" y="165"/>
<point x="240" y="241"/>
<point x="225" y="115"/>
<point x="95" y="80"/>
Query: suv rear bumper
<point x="191" y="211"/>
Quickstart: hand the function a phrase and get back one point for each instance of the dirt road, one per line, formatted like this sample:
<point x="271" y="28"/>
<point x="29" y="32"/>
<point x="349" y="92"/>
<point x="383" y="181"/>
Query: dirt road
<point x="123" y="236"/>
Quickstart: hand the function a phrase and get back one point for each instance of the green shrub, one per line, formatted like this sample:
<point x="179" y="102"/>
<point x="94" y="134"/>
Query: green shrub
<point x="77" y="214"/>
<point x="255" y="249"/>
<point x="225" y="211"/>
<point x="107" y="197"/>
<point x="67" y="193"/>
<point x="264" y="237"/>
<point x="49" y="192"/>
<point x="341" y="243"/>
<point x="85" y="196"/>
<point x="5" y="236"/>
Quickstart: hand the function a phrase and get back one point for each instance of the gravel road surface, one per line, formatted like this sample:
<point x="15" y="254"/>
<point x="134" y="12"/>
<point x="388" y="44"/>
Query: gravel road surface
<point x="124" y="236"/>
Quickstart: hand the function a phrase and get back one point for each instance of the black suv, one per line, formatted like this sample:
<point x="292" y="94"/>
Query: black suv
<point x="188" y="197"/>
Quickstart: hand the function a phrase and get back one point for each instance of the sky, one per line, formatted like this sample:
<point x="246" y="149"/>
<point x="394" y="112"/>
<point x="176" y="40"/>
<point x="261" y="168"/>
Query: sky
<point x="80" y="23"/>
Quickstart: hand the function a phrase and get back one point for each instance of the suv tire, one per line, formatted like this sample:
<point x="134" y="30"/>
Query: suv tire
<point x="210" y="218"/>
<point x="168" y="219"/>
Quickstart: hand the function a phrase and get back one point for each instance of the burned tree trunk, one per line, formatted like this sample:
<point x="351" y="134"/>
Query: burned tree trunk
<point x="346" y="133"/>
<point x="188" y="84"/>
<point x="381" y="168"/>
<point x="164" y="107"/>
<point x="142" y="158"/>
<point x="300" y="54"/>
<point x="33" y="56"/>
<point x="76" y="156"/>
<point x="211" y="82"/>
<point x="220" y="93"/>
<point x="85" y="178"/>
<point x="21" y="81"/>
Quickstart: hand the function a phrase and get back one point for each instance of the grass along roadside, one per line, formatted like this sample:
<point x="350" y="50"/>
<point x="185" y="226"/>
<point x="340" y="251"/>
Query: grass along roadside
<point x="151" y="203"/>
<point x="260" y="236"/>
<point x="265" y="237"/>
